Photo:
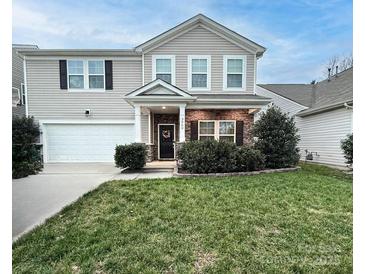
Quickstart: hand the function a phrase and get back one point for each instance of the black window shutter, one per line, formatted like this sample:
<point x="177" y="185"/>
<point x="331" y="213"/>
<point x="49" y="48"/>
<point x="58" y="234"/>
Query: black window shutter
<point x="108" y="74"/>
<point x="239" y="133"/>
<point x="63" y="74"/>
<point x="193" y="130"/>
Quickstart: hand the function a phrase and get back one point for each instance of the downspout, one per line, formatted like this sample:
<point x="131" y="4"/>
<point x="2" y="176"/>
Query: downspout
<point x="255" y="71"/>
<point x="347" y="106"/>
<point x="142" y="69"/>
<point x="25" y="87"/>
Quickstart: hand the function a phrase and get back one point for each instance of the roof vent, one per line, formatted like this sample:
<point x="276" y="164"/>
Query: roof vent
<point x="336" y="70"/>
<point x="329" y="74"/>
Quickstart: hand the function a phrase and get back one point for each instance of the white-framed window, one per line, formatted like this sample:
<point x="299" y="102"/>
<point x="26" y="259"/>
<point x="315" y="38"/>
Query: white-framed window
<point x="206" y="130"/>
<point x="86" y="75"/>
<point x="234" y="72"/>
<point x="199" y="72"/>
<point x="96" y="74"/>
<point x="163" y="67"/>
<point x="224" y="130"/>
<point x="22" y="94"/>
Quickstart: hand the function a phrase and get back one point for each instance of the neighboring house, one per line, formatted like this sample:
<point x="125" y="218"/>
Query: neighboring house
<point x="194" y="81"/>
<point x="323" y="114"/>
<point x="18" y="91"/>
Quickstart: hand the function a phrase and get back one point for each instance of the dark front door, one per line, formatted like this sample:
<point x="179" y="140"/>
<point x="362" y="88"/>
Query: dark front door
<point x="166" y="141"/>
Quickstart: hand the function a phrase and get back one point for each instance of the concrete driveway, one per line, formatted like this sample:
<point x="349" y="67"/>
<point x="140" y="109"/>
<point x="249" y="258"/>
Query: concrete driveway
<point x="38" y="197"/>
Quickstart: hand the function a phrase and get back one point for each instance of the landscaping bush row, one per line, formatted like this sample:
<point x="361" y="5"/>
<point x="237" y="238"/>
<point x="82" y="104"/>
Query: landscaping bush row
<point x="275" y="147"/>
<point x="211" y="156"/>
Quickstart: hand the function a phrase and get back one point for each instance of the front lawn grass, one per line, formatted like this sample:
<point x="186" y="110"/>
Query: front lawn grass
<point x="296" y="222"/>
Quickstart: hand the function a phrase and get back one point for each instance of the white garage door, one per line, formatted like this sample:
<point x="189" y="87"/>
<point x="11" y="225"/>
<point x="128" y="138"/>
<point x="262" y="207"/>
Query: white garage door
<point x="85" y="143"/>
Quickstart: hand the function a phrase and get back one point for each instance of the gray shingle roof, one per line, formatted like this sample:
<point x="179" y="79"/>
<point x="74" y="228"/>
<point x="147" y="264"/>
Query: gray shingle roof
<point x="339" y="89"/>
<point x="300" y="93"/>
<point x="320" y="95"/>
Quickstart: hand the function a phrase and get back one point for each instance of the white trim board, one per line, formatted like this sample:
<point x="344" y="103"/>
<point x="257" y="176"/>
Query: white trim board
<point x="79" y="121"/>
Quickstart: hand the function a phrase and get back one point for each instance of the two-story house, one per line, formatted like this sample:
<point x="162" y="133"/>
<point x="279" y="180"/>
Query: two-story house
<point x="194" y="81"/>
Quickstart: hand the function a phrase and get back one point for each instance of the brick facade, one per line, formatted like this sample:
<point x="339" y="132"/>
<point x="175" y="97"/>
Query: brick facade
<point x="163" y="119"/>
<point x="221" y="114"/>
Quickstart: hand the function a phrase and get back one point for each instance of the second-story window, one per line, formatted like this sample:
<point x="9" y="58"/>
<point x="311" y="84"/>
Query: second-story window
<point x="96" y="74"/>
<point x="86" y="74"/>
<point x="199" y="72"/>
<point x="76" y="74"/>
<point x="164" y="68"/>
<point x="234" y="73"/>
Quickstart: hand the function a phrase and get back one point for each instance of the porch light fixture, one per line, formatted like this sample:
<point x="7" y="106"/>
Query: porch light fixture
<point x="163" y="107"/>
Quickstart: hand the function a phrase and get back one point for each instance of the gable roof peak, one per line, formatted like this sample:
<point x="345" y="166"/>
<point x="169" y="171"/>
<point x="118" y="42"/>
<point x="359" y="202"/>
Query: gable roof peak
<point x="208" y="22"/>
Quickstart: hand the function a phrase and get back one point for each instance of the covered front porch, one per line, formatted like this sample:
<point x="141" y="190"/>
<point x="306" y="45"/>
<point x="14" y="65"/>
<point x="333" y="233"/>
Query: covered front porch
<point x="161" y="128"/>
<point x="166" y="116"/>
<point x="159" y="111"/>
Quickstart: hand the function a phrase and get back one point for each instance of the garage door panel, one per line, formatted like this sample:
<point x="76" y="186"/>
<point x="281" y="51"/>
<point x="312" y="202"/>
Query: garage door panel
<point x="85" y="143"/>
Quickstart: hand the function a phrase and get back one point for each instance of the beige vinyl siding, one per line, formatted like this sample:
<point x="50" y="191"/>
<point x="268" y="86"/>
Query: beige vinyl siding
<point x="17" y="69"/>
<point x="200" y="41"/>
<point x="18" y="110"/>
<point x="48" y="101"/>
<point x="323" y="132"/>
<point x="17" y="79"/>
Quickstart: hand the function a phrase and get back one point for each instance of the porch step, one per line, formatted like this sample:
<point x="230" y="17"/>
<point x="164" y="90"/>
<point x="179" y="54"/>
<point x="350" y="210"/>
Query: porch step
<point x="160" y="165"/>
<point x="153" y="169"/>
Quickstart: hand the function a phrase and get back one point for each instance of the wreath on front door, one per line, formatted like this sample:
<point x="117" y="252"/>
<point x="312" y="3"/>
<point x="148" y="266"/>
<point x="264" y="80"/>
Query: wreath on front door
<point x="166" y="134"/>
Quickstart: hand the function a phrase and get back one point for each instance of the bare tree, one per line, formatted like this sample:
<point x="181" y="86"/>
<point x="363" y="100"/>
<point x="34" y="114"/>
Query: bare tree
<point x="343" y="63"/>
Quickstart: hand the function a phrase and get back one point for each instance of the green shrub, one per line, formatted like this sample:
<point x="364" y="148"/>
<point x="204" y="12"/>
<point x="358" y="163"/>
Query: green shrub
<point x="208" y="156"/>
<point x="26" y="156"/>
<point x="211" y="156"/>
<point x="249" y="159"/>
<point x="346" y="146"/>
<point x="277" y="138"/>
<point x="132" y="156"/>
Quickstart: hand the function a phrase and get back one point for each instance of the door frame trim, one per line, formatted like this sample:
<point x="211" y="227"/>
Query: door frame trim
<point x="158" y="141"/>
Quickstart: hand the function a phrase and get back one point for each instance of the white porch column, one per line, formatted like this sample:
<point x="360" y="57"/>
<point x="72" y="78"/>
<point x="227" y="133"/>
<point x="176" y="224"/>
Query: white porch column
<point x="182" y="123"/>
<point x="149" y="127"/>
<point x="137" y="124"/>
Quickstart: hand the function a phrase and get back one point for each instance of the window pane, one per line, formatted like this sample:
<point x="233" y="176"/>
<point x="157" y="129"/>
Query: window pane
<point x="199" y="81"/>
<point x="75" y="67"/>
<point x="165" y="77"/>
<point x="199" y="65"/>
<point x="227" y="139"/>
<point x="76" y="81"/>
<point x="234" y="80"/>
<point x="206" y="127"/>
<point x="96" y="67"/>
<point x="226" y="127"/>
<point x="234" y="66"/>
<point x="96" y="81"/>
<point x="163" y="66"/>
<point x="206" y="138"/>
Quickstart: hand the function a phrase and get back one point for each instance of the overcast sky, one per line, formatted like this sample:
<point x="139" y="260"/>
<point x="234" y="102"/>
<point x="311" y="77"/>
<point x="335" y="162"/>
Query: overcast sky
<point x="300" y="35"/>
